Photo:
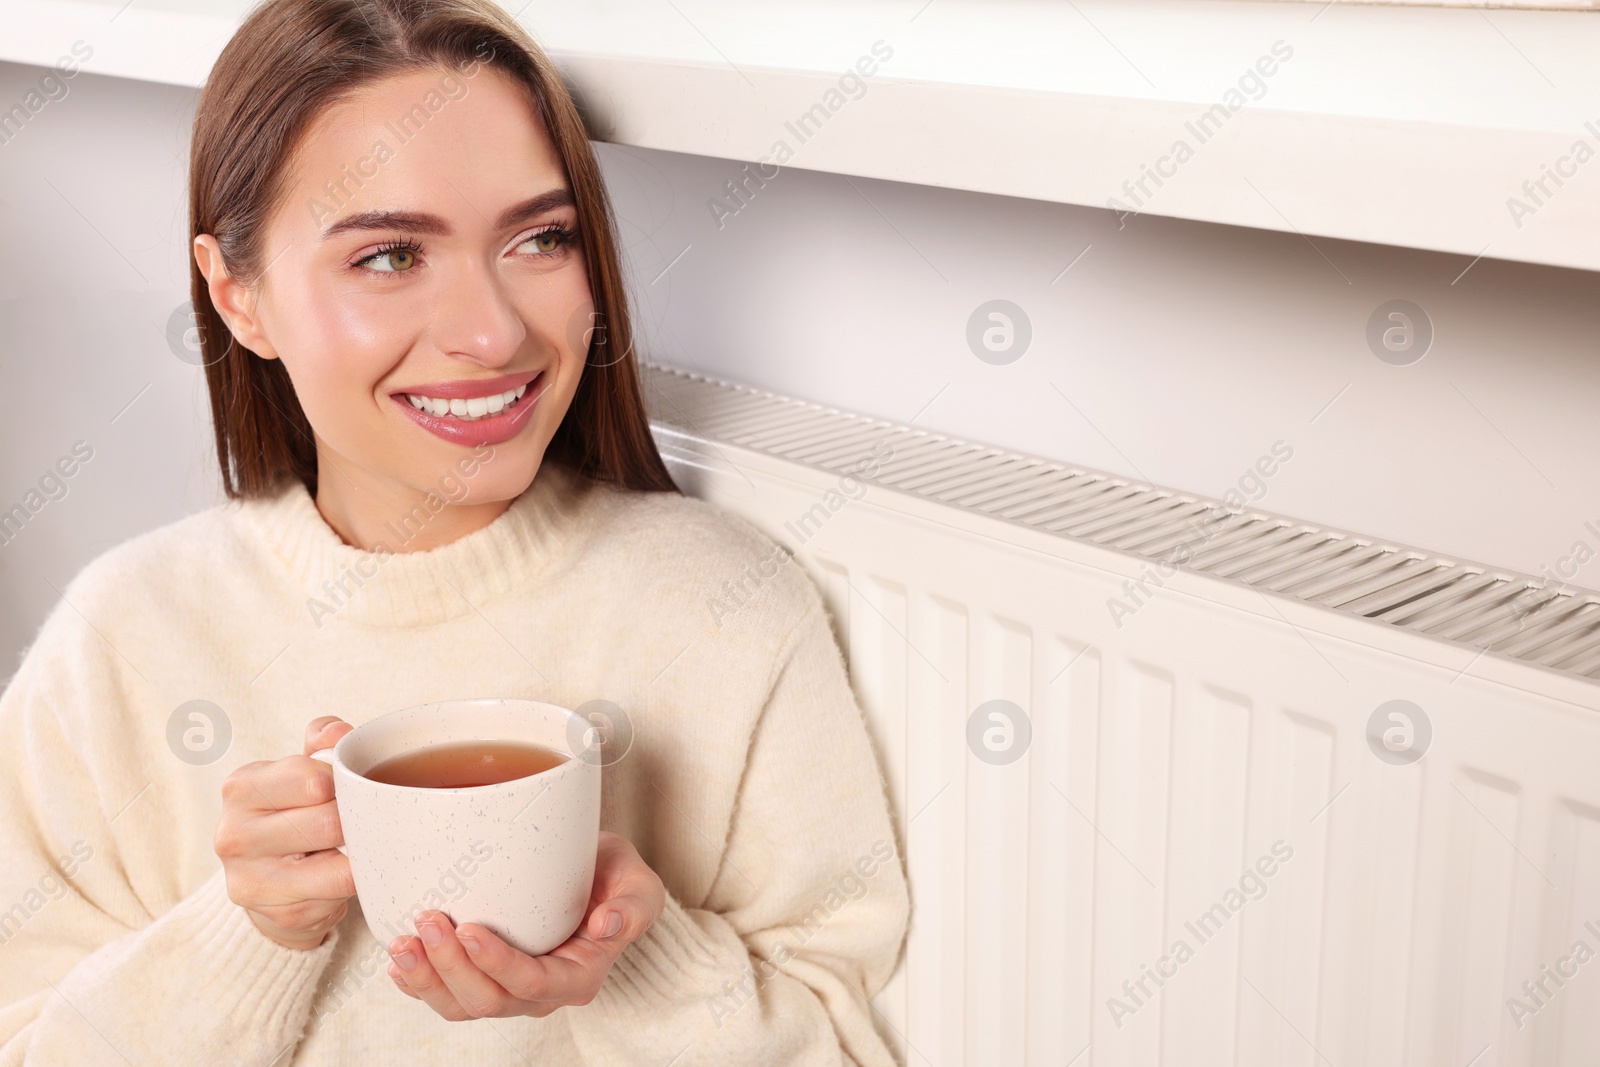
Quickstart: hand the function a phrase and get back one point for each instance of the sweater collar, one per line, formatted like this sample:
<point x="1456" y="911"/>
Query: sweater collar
<point x="344" y="584"/>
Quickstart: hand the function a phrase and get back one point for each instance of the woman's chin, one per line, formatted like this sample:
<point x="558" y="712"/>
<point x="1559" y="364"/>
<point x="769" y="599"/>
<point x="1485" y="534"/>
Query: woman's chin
<point x="498" y="477"/>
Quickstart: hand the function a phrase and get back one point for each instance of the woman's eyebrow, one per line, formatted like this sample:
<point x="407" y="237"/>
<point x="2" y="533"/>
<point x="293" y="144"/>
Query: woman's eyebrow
<point x="432" y="225"/>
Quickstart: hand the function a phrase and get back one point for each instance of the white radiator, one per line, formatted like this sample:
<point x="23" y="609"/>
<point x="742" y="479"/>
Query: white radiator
<point x="1093" y="901"/>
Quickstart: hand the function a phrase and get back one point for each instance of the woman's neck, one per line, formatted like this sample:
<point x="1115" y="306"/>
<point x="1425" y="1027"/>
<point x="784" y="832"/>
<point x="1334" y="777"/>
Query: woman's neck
<point x="367" y="512"/>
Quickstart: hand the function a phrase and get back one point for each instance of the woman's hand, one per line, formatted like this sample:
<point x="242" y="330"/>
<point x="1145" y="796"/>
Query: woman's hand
<point x="276" y="841"/>
<point x="469" y="973"/>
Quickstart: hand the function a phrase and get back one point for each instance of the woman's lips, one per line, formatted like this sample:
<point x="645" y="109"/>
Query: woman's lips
<point x="487" y="430"/>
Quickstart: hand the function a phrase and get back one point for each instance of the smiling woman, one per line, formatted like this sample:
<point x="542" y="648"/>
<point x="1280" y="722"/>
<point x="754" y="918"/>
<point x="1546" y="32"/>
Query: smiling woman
<point x="408" y="298"/>
<point x="518" y="247"/>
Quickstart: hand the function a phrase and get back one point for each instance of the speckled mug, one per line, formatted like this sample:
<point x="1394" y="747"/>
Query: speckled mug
<point x="517" y="857"/>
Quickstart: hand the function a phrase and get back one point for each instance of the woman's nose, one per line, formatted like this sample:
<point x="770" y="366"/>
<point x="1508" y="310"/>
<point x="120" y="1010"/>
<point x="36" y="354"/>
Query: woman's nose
<point x="476" y="319"/>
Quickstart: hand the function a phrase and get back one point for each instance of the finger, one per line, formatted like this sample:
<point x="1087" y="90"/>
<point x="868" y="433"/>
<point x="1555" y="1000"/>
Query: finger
<point x="284" y="880"/>
<point x="322" y="875"/>
<point x="625" y="887"/>
<point x="288" y="831"/>
<point x="619" y="870"/>
<point x="420" y="977"/>
<point x="477" y="993"/>
<point x="304" y="921"/>
<point x="291" y="782"/>
<point x="568" y="974"/>
<point x="324" y="731"/>
<point x="399" y="978"/>
<point x="621" y="920"/>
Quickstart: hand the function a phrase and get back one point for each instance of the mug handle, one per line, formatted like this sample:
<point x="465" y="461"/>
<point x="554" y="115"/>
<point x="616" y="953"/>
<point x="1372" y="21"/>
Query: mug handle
<point x="325" y="755"/>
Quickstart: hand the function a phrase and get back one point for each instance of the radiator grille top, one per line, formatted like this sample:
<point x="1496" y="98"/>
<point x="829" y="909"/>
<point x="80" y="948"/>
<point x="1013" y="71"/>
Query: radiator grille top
<point x="1498" y="612"/>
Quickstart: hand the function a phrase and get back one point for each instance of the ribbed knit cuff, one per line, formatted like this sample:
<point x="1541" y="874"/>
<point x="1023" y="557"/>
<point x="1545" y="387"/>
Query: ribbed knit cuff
<point x="262" y="989"/>
<point x="690" y="993"/>
<point x="679" y="964"/>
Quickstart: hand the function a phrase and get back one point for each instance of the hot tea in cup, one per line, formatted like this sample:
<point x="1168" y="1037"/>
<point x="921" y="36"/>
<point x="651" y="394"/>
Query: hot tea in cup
<point x="476" y="808"/>
<point x="465" y="764"/>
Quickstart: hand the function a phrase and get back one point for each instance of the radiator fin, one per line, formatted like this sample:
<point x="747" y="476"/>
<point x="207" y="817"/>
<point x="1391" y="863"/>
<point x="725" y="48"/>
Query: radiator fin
<point x="1491" y="610"/>
<point x="1172" y="748"/>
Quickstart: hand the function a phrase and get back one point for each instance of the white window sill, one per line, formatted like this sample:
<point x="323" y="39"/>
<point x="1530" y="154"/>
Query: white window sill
<point x="1394" y="124"/>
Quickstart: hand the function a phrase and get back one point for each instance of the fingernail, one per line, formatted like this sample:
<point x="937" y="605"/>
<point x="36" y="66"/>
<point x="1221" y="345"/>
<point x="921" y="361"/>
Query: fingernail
<point x="613" y="924"/>
<point x="468" y="942"/>
<point x="407" y="960"/>
<point x="430" y="933"/>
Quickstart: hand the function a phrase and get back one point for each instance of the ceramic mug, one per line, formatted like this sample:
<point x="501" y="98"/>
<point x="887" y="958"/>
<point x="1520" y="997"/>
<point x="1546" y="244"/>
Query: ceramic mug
<point x="517" y="857"/>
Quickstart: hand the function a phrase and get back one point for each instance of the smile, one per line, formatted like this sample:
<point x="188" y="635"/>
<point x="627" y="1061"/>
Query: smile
<point x="470" y="408"/>
<point x="475" y="413"/>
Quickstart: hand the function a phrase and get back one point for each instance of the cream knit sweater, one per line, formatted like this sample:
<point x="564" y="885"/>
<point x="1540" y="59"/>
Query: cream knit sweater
<point x="751" y="786"/>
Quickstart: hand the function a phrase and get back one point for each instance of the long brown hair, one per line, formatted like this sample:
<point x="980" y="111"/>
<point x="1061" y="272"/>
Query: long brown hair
<point x="290" y="60"/>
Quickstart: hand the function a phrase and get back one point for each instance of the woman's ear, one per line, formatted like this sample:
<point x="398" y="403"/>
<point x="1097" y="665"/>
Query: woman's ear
<point x="233" y="301"/>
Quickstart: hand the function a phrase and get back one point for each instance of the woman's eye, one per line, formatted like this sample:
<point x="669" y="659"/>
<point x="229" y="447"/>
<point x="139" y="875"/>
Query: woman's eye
<point x="546" y="242"/>
<point x="399" y="259"/>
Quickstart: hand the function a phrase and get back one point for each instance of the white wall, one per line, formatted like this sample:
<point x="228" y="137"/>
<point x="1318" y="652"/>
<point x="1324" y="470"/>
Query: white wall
<point x="1173" y="351"/>
<point x="92" y="220"/>
<point x="1181" y="350"/>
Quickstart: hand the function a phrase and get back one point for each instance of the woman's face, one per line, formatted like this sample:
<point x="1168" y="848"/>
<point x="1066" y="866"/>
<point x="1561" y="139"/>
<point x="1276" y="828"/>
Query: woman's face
<point x="424" y="282"/>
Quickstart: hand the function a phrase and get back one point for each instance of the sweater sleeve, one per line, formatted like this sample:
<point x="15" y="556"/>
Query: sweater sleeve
<point x="810" y="901"/>
<point x="107" y="959"/>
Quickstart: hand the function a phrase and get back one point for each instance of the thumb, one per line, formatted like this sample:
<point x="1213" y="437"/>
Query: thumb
<point x="324" y="732"/>
<point x="621" y="920"/>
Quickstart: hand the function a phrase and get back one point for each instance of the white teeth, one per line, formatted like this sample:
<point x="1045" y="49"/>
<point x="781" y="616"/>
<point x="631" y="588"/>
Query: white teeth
<point x="469" y="409"/>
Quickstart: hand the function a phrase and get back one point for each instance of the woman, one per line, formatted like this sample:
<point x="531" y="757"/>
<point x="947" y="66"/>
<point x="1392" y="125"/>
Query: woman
<point x="442" y="485"/>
